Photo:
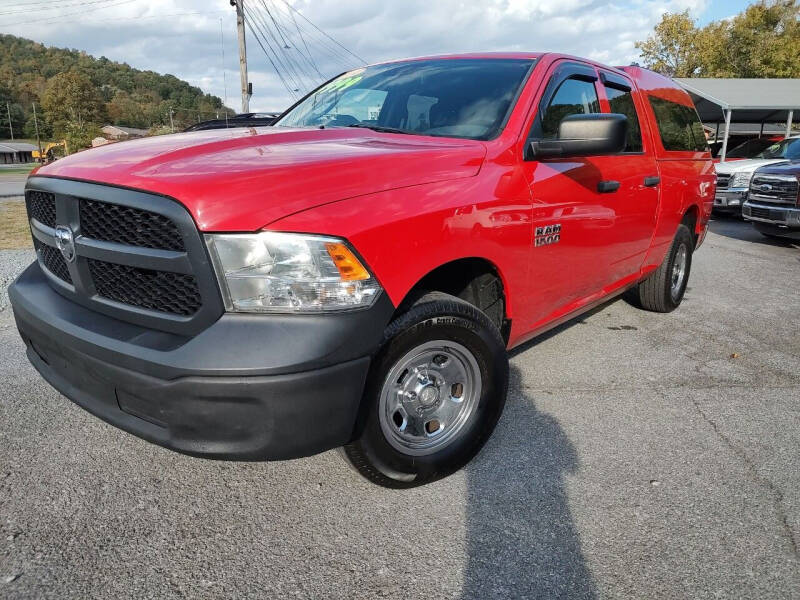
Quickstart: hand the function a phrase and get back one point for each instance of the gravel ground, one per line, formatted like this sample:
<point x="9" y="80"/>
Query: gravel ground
<point x="640" y="456"/>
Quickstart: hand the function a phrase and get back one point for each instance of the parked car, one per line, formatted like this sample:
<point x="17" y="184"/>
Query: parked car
<point x="733" y="179"/>
<point x="773" y="204"/>
<point x="240" y="120"/>
<point x="274" y="293"/>
<point x="747" y="149"/>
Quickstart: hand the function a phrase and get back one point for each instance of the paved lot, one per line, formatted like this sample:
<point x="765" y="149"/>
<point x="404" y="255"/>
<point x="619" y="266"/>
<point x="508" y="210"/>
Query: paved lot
<point x="640" y="456"/>
<point x="12" y="184"/>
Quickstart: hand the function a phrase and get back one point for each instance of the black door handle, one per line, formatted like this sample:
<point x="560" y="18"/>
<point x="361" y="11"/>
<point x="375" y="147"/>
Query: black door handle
<point x="607" y="187"/>
<point x="652" y="181"/>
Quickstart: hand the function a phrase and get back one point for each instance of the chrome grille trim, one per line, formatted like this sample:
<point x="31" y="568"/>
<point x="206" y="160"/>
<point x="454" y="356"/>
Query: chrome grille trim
<point x="784" y="189"/>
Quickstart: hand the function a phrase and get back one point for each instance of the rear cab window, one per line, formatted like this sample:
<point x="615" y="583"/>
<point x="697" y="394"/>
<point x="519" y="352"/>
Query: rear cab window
<point x="679" y="126"/>
<point x="619" y="94"/>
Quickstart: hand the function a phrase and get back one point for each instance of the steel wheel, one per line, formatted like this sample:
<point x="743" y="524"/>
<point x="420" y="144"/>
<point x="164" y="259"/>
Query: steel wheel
<point x="428" y="396"/>
<point x="678" y="272"/>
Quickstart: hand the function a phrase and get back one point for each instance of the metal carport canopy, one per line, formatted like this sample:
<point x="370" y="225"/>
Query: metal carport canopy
<point x="744" y="101"/>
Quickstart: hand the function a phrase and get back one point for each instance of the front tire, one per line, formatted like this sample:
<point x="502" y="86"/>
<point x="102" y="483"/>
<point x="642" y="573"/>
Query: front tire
<point x="664" y="289"/>
<point x="433" y="396"/>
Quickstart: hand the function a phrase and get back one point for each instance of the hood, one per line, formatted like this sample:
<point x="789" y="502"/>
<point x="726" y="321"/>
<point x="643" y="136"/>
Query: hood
<point x="784" y="168"/>
<point x="750" y="164"/>
<point x="244" y="179"/>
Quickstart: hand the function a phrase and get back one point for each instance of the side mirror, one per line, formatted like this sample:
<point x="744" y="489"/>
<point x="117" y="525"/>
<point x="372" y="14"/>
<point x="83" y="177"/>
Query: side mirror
<point x="583" y="135"/>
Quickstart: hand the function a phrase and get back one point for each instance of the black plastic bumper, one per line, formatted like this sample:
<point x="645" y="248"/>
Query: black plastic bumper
<point x="249" y="387"/>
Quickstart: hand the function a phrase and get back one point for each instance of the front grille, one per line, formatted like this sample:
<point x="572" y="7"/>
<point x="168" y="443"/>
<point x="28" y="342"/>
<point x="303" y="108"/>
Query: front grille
<point x="139" y="257"/>
<point x="128" y="225"/>
<point x="723" y="180"/>
<point x="42" y="207"/>
<point x="775" y="189"/>
<point x="53" y="261"/>
<point x="161" y="291"/>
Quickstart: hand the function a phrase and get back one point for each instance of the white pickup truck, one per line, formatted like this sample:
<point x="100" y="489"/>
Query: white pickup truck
<point x="733" y="178"/>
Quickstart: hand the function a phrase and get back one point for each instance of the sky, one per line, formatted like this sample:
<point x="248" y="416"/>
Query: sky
<point x="187" y="38"/>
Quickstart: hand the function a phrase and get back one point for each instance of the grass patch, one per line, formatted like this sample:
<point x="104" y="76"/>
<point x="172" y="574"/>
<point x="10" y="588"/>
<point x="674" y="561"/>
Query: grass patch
<point x="14" y="229"/>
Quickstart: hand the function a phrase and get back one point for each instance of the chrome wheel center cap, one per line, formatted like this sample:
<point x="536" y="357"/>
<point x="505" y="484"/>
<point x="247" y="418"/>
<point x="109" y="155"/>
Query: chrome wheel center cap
<point x="428" y="396"/>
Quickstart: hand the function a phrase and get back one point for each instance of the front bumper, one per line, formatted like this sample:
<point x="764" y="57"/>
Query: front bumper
<point x="786" y="216"/>
<point x="781" y="221"/>
<point x="730" y="199"/>
<point x="248" y="387"/>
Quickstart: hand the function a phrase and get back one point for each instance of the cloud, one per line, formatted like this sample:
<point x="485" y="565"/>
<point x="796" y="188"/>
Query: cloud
<point x="164" y="37"/>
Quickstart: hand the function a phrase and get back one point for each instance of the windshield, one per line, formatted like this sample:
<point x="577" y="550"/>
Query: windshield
<point x="463" y="98"/>
<point x="750" y="148"/>
<point x="785" y="149"/>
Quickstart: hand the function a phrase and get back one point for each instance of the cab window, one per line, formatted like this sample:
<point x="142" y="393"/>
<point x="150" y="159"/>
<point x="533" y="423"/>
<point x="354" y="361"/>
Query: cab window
<point x="621" y="102"/>
<point x="679" y="126"/>
<point x="573" y="97"/>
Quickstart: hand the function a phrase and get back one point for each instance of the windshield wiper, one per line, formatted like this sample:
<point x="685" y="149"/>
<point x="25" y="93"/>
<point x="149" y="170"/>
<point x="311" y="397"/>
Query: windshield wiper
<point x="380" y="128"/>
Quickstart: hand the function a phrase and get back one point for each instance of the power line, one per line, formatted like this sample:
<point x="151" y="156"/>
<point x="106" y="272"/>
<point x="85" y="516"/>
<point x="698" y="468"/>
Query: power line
<point x="58" y="18"/>
<point x="308" y="52"/>
<point x="37" y="2"/>
<point x="51" y="7"/>
<point x="286" y="48"/>
<point x="281" y="55"/>
<point x="280" y="66"/>
<point x="183" y="14"/>
<point x="307" y="57"/>
<point x="292" y="8"/>
<point x="324" y="44"/>
<point x="272" y="62"/>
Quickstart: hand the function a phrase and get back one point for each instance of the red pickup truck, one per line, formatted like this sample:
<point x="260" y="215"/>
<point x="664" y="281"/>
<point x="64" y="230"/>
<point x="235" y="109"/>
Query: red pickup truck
<point x="354" y="275"/>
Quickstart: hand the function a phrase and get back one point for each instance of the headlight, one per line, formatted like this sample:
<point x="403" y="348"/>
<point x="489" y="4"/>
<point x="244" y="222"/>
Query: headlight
<point x="289" y="273"/>
<point x="740" y="180"/>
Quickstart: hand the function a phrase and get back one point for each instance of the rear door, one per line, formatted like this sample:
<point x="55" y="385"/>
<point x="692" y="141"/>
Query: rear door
<point x="635" y="203"/>
<point x="593" y="217"/>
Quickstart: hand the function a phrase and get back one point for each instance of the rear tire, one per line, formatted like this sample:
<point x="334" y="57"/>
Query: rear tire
<point x="433" y="396"/>
<point x="664" y="289"/>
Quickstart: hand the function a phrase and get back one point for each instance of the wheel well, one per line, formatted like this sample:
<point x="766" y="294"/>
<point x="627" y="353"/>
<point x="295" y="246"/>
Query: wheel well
<point x="690" y="220"/>
<point x="475" y="280"/>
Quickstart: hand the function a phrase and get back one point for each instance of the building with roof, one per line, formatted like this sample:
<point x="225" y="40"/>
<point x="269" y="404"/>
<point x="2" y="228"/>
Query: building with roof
<point x="753" y="101"/>
<point x="119" y="133"/>
<point x="16" y="153"/>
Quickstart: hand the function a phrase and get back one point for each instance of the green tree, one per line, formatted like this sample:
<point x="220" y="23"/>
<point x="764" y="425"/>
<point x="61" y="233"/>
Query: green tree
<point x="127" y="96"/>
<point x="73" y="105"/>
<point x="45" y="129"/>
<point x="672" y="49"/>
<point x="762" y="41"/>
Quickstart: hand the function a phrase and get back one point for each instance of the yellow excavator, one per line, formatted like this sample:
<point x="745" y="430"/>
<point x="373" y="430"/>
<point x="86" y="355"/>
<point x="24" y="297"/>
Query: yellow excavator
<point x="44" y="155"/>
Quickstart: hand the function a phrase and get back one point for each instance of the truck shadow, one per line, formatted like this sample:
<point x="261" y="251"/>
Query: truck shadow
<point x="521" y="538"/>
<point x="738" y="229"/>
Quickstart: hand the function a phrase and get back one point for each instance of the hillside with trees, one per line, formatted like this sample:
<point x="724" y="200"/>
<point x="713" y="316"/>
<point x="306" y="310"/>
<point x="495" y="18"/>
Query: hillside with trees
<point x="762" y="41"/>
<point x="75" y="94"/>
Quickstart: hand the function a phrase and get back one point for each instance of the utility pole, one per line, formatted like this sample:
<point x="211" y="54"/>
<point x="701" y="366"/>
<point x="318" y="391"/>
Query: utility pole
<point x="39" y="141"/>
<point x="171" y="122"/>
<point x="10" y="126"/>
<point x="247" y="89"/>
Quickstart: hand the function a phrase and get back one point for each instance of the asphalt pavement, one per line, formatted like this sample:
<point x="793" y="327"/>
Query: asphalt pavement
<point x="12" y="184"/>
<point x="640" y="456"/>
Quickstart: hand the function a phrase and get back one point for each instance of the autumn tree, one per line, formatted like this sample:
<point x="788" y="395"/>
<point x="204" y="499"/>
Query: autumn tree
<point x="762" y="41"/>
<point x="73" y="107"/>
<point x="672" y="49"/>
